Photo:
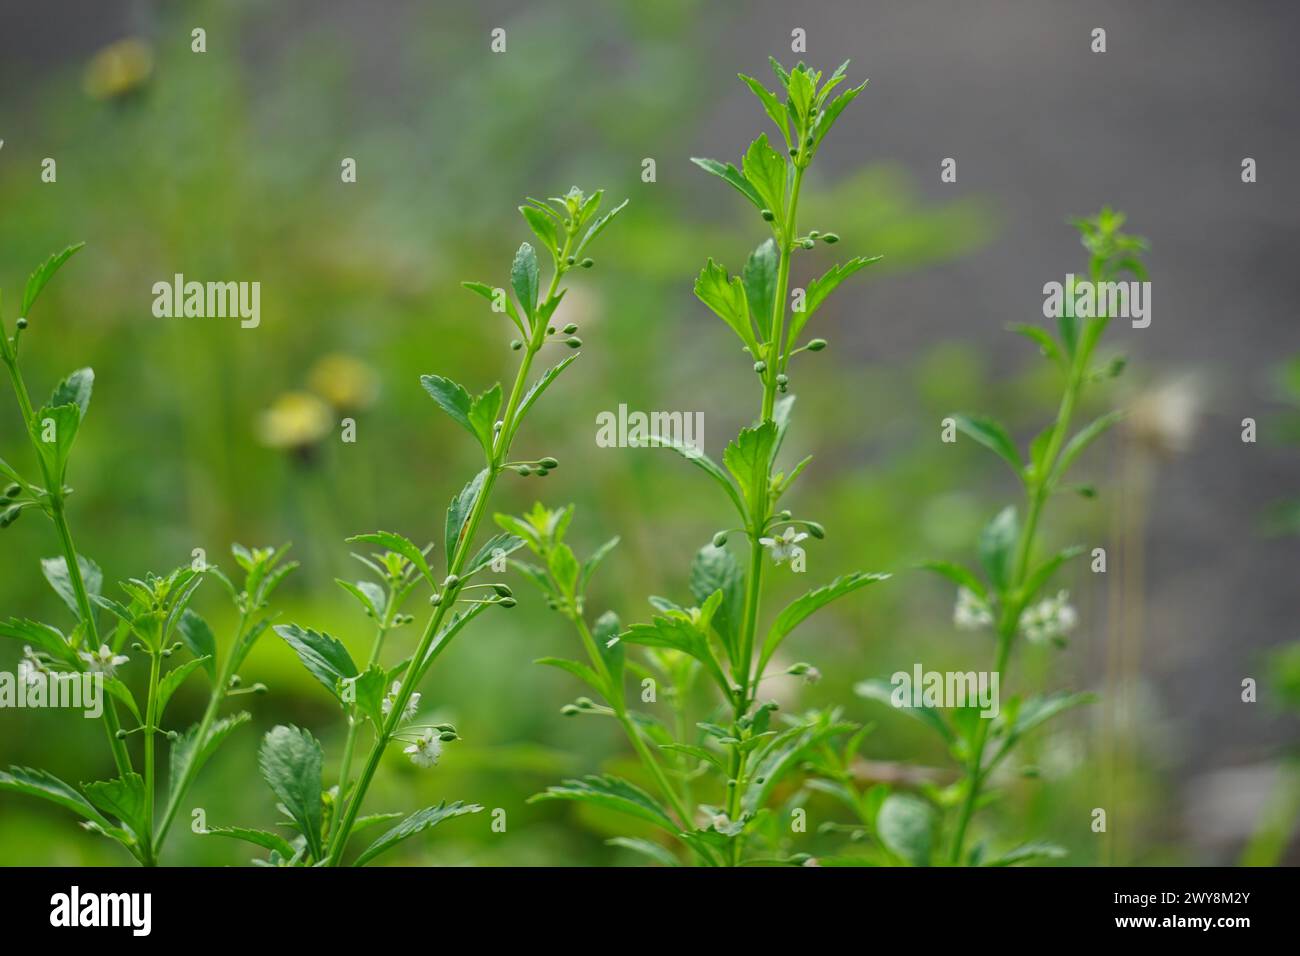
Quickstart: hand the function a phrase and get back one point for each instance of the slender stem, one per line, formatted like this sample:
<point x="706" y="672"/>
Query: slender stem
<point x="1037" y="491"/>
<point x="58" y="514"/>
<point x="150" y="727"/>
<point x="422" y="659"/>
<point x="216" y="698"/>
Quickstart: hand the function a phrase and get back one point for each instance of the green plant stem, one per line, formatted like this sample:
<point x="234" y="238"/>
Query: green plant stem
<point x="422" y="659"/>
<point x="220" y="688"/>
<point x="614" y="694"/>
<point x="1037" y="491"/>
<point x="777" y="331"/>
<point x="150" y="850"/>
<point x="58" y="514"/>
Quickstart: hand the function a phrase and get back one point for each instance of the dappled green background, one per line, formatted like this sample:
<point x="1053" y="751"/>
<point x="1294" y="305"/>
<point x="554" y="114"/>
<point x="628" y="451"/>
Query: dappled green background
<point x="226" y="166"/>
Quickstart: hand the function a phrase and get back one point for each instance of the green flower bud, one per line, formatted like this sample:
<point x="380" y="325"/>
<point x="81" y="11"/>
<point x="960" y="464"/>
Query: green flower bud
<point x="549" y="463"/>
<point x="815" y="529"/>
<point x="507" y="602"/>
<point x="550" y="330"/>
<point x="568" y="710"/>
<point x="586" y="703"/>
<point x="9" y="516"/>
<point x="782" y="379"/>
<point x="793" y="151"/>
<point x="448" y="735"/>
<point x="451" y="581"/>
<point x="760" y="366"/>
<point x="570" y="260"/>
<point x="524" y="470"/>
<point x="503" y="590"/>
<point x="719" y="539"/>
<point x="816" y="345"/>
<point x="767" y="215"/>
<point x="543" y="472"/>
<point x="570" y="329"/>
<point x="587" y="263"/>
<point x="808" y="243"/>
<point x="435" y="599"/>
<point x="12" y="491"/>
<point x="22" y="323"/>
<point x="830" y="237"/>
<point x="574" y="342"/>
<point x="516" y="345"/>
<point x="813" y="233"/>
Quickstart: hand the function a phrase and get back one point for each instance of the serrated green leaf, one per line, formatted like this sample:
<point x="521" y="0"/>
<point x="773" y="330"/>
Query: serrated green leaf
<point x="189" y="754"/>
<point x="37" y="281"/>
<point x="75" y="390"/>
<point x="391" y="541"/>
<point x="451" y="398"/>
<point x="122" y="797"/>
<point x="290" y="762"/>
<point x="819" y="291"/>
<point x="268" y="841"/>
<point x="993" y="436"/>
<point x="199" y="640"/>
<point x="613" y="793"/>
<point x="458" y="514"/>
<point x="882" y="691"/>
<point x="525" y="279"/>
<point x="43" y="636"/>
<point x="324" y="657"/>
<point x="174" y="678"/>
<point x="759" y="279"/>
<point x="417" y="822"/>
<point x="749" y="459"/>
<point x="905" y="824"/>
<point x="807" y="604"/>
<point x="55" y="571"/>
<point x="771" y="105"/>
<point x="598" y="227"/>
<point x="483" y="413"/>
<point x="577" y="669"/>
<point x="716" y="569"/>
<point x="725" y="295"/>
<point x="543" y="226"/>
<point x="766" y="171"/>
<point x="731" y="175"/>
<point x="536" y="389"/>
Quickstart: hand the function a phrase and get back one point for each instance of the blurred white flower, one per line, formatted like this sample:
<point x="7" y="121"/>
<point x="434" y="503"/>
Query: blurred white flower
<point x="390" y="699"/>
<point x="1049" y="619"/>
<point x="1163" y="418"/>
<point x="971" y="611"/>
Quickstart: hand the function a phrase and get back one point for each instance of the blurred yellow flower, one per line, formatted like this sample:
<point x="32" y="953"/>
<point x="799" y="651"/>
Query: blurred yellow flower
<point x="295" y="421"/>
<point x="118" y="69"/>
<point x="348" y="384"/>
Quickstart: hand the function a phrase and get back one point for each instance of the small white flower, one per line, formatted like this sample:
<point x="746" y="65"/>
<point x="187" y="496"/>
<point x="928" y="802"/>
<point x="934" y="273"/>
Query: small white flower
<point x="785" y="545"/>
<point x="29" y="672"/>
<point x="971" y="611"/>
<point x="1049" y="619"/>
<point x="390" y="699"/>
<point x="426" y="750"/>
<point x="103" y="660"/>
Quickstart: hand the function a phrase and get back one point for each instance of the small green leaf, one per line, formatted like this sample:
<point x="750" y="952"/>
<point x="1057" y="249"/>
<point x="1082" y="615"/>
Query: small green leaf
<point x="577" y="669"/>
<point x="766" y="171"/>
<point x="458" y="514"/>
<point x="543" y="226"/>
<point x="590" y="565"/>
<point x="268" y="841"/>
<point x="996" y="544"/>
<point x="451" y="398"/>
<point x="391" y="541"/>
<point x="598" y="227"/>
<point x="1043" y="338"/>
<point x="43" y="636"/>
<point x="731" y="175"/>
<point x="38" y="279"/>
<point x="124" y="798"/>
<point x="958" y="574"/>
<point x="831" y="112"/>
<point x="524" y="278"/>
<point x="564" y="569"/>
<point x="1081" y="440"/>
<point x="536" y="389"/>
<point x="417" y="822"/>
<point x="725" y="295"/>
<point x="1044" y="572"/>
<point x="882" y="691"/>
<point x="290" y="761"/>
<point x="654" y="851"/>
<point x="199" y="640"/>
<point x="1036" y="850"/>
<point x="173" y="679"/>
<point x="749" y="459"/>
<point x="38" y="783"/>
<point x="806" y="605"/>
<point x="369" y="595"/>
<point x="820" y="289"/>
<point x="189" y="754"/>
<point x="324" y="656"/>
<point x="55" y="571"/>
<point x="705" y="464"/>
<point x="771" y="105"/>
<point x="612" y="793"/>
<point x="759" y="278"/>
<point x="483" y="415"/>
<point x="75" y="390"/>
<point x="993" y="436"/>
<point x="53" y="429"/>
<point x="905" y="825"/>
<point x="716" y="569"/>
<point x="605" y="632"/>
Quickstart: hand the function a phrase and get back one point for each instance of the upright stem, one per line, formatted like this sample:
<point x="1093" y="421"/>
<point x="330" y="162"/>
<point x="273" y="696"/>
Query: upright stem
<point x="150" y="726"/>
<point x="59" y="516"/>
<point x="422" y="659"/>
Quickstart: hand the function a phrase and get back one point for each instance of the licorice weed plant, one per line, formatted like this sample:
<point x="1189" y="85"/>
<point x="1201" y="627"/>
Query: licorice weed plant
<point x="715" y="774"/>
<point x="1012" y="599"/>
<point x="153" y="622"/>
<point x="383" y="697"/>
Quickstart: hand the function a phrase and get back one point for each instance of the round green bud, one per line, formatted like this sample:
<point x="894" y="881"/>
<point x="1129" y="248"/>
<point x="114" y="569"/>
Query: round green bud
<point x="760" y="366"/>
<point x="815" y="529"/>
<point x="574" y="342"/>
<point x="570" y="329"/>
<point x="549" y="463"/>
<point x="831" y="238"/>
<point x="793" y="151"/>
<point x="435" y="599"/>
<point x="120" y="735"/>
<point x="816" y="345"/>
<point x="808" y="243"/>
<point x="507" y="602"/>
<point x="587" y="263"/>
<point x="447" y="736"/>
<point x="503" y="590"/>
<point x="570" y="260"/>
<point x="813" y="233"/>
<point x="22" y="323"/>
<point x="516" y="345"/>
<point x="586" y="703"/>
<point x="784" y="515"/>
<point x="719" y="539"/>
<point x="524" y="470"/>
<point x="9" y="516"/>
<point x="12" y="491"/>
<point x="783" y="379"/>
<point x="550" y="330"/>
<point x="568" y="710"/>
<point x="451" y="581"/>
<point x="543" y="472"/>
<point x="767" y="215"/>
